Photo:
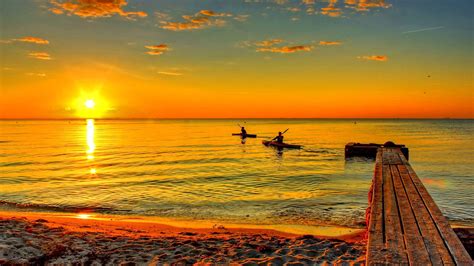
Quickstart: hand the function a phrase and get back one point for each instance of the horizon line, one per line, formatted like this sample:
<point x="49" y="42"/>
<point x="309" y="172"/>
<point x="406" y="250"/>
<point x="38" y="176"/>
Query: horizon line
<point x="245" y="118"/>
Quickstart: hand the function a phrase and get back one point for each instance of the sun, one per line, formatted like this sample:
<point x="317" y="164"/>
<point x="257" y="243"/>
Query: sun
<point x="89" y="103"/>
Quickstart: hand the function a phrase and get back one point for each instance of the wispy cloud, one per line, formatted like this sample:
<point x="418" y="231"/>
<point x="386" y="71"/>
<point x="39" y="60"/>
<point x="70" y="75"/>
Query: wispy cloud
<point x="241" y="18"/>
<point x="268" y="43"/>
<point x="201" y="20"/>
<point x="380" y="58"/>
<point x="286" y="49"/>
<point x="331" y="10"/>
<point x="40" y="55"/>
<point x="366" y="5"/>
<point x="41" y="75"/>
<point x="169" y="73"/>
<point x="423" y="29"/>
<point x="211" y="13"/>
<point x="276" y="46"/>
<point x="31" y="39"/>
<point x="94" y="8"/>
<point x="329" y="43"/>
<point x="157" y="49"/>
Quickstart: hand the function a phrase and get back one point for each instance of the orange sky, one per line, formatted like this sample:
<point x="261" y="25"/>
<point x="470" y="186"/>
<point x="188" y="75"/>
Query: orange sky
<point x="276" y="59"/>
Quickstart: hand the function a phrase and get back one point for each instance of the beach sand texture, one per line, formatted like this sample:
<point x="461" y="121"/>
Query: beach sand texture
<point x="28" y="239"/>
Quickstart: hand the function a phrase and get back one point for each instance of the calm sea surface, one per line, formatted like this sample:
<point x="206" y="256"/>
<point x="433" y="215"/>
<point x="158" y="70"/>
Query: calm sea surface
<point x="195" y="169"/>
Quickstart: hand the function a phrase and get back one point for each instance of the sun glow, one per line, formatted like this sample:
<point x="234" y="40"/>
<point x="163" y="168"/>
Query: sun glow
<point x="90" y="105"/>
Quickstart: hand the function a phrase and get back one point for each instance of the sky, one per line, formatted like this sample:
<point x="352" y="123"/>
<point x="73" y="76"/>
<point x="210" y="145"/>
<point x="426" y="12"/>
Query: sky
<point x="236" y="59"/>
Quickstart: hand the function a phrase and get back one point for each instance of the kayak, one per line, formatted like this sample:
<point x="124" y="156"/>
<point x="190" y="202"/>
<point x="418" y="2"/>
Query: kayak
<point x="280" y="145"/>
<point x="248" y="135"/>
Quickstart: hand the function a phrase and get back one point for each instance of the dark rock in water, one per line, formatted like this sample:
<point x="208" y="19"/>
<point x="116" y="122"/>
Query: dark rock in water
<point x="306" y="237"/>
<point x="41" y="221"/>
<point x="466" y="235"/>
<point x="188" y="233"/>
<point x="264" y="249"/>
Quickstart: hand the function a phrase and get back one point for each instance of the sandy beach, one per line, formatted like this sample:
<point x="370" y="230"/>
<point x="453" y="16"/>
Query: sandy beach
<point x="38" y="238"/>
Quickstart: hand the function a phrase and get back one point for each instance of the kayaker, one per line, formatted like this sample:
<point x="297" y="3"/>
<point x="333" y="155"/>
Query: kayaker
<point x="279" y="138"/>
<point x="243" y="132"/>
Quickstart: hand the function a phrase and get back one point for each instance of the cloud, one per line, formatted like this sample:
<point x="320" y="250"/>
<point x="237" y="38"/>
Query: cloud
<point x="40" y="55"/>
<point x="211" y="13"/>
<point x="42" y="75"/>
<point x="32" y="40"/>
<point x="329" y="43"/>
<point x="271" y="46"/>
<point x="380" y="58"/>
<point x="286" y="49"/>
<point x="162" y="15"/>
<point x="169" y="73"/>
<point x="94" y="8"/>
<point x="29" y="39"/>
<point x="200" y="20"/>
<point x="268" y="43"/>
<point x="241" y="18"/>
<point x="331" y="10"/>
<point x="365" y="5"/>
<point x="335" y="10"/>
<point x="293" y="9"/>
<point x="157" y="49"/>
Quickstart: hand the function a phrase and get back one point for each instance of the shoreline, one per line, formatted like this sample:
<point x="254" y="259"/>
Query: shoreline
<point x="59" y="238"/>
<point x="321" y="230"/>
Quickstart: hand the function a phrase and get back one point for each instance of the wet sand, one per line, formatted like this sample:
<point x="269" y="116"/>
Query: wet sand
<point x="39" y="238"/>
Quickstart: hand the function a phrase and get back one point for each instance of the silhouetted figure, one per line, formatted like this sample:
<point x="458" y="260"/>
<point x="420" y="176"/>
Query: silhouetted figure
<point x="243" y="132"/>
<point x="279" y="138"/>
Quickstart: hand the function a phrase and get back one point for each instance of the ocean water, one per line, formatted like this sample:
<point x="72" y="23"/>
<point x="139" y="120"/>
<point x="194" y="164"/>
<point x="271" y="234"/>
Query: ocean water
<point x="195" y="169"/>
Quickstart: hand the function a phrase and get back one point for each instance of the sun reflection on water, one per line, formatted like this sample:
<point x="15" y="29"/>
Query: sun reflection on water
<point x="83" y="216"/>
<point x="90" y="138"/>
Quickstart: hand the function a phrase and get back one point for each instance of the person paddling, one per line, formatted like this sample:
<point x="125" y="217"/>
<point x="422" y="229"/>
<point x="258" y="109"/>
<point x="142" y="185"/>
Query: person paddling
<point x="279" y="138"/>
<point x="243" y="132"/>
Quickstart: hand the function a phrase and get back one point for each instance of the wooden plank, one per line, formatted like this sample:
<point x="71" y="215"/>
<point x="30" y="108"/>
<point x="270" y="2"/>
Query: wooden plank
<point x="437" y="251"/>
<point x="393" y="230"/>
<point x="390" y="156"/>
<point x="452" y="242"/>
<point x="375" y="243"/>
<point x="415" y="246"/>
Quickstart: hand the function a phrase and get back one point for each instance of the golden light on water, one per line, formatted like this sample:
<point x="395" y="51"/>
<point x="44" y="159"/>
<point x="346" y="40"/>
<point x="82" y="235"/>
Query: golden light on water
<point x="83" y="216"/>
<point x="90" y="138"/>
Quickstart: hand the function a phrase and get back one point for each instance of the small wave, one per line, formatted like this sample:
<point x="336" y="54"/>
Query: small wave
<point x="58" y="208"/>
<point x="15" y="164"/>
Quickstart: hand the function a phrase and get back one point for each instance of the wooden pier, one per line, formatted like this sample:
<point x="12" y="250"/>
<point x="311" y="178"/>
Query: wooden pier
<point x="405" y="226"/>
